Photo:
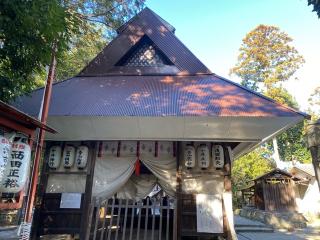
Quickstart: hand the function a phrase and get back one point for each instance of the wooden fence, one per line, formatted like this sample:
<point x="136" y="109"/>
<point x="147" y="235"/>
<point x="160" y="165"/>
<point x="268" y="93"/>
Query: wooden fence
<point x="124" y="219"/>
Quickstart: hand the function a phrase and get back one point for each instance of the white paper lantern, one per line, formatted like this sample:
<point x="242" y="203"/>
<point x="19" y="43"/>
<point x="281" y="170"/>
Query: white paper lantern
<point x="82" y="156"/>
<point x="68" y="156"/>
<point x="5" y="149"/>
<point x="203" y="154"/>
<point x="217" y="156"/>
<point x="189" y="156"/>
<point x="17" y="169"/>
<point x="54" y="157"/>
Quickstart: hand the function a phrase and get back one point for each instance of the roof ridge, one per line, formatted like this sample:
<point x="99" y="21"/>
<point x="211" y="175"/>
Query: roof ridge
<point x="146" y="9"/>
<point x="305" y="115"/>
<point x="145" y="23"/>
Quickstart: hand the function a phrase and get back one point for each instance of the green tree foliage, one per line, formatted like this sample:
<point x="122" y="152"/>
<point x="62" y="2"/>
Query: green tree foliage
<point x="83" y="49"/>
<point x="266" y="60"/>
<point x="249" y="167"/>
<point x="29" y="28"/>
<point x="291" y="143"/>
<point x="28" y="31"/>
<point x="316" y="6"/>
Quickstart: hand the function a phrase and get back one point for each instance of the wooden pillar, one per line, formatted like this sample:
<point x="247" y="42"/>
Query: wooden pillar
<point x="315" y="162"/>
<point x="40" y="192"/>
<point x="86" y="217"/>
<point x="227" y="198"/>
<point x="178" y="193"/>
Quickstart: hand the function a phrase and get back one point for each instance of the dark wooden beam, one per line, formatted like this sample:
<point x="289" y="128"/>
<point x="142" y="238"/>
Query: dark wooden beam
<point x="87" y="203"/>
<point x="178" y="192"/>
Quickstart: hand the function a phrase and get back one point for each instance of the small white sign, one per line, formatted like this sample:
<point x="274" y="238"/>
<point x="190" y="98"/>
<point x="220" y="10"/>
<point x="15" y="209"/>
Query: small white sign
<point x="70" y="200"/>
<point x="209" y="213"/>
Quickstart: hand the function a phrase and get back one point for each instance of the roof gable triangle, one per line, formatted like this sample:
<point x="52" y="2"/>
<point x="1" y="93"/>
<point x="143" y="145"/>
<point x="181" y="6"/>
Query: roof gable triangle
<point x="177" y="59"/>
<point x="144" y="54"/>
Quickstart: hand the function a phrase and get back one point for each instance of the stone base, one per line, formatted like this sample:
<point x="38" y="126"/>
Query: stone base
<point x="279" y="220"/>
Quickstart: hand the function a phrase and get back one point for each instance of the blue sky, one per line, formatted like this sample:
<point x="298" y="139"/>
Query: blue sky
<point x="213" y="31"/>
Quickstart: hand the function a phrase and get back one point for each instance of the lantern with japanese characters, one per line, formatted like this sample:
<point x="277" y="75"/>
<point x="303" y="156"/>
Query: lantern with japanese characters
<point x="189" y="156"/>
<point x="68" y="156"/>
<point x="54" y="157"/>
<point x="82" y="157"/>
<point x="17" y="169"/>
<point x="203" y="155"/>
<point x="217" y="156"/>
<point x="5" y="148"/>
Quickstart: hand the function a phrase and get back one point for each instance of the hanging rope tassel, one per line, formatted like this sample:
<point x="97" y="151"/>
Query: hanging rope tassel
<point x="137" y="165"/>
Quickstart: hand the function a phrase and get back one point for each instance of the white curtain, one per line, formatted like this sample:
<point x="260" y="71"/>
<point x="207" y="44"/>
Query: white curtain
<point x="66" y="183"/>
<point x="110" y="175"/>
<point x="137" y="187"/>
<point x="115" y="174"/>
<point x="163" y="166"/>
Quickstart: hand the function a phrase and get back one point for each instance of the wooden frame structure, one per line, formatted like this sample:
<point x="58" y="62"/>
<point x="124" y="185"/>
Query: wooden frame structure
<point x="128" y="93"/>
<point x="273" y="191"/>
<point x="13" y="120"/>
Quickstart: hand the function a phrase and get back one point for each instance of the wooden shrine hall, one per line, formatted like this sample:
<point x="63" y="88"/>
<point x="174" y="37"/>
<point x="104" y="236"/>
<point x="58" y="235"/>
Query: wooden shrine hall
<point x="146" y="114"/>
<point x="273" y="191"/>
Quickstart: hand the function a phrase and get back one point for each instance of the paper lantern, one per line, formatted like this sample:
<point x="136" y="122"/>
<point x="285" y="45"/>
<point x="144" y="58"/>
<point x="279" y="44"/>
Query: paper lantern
<point x="203" y="155"/>
<point x="17" y="169"/>
<point x="217" y="156"/>
<point x="68" y="156"/>
<point x="189" y="156"/>
<point x="5" y="148"/>
<point x="82" y="156"/>
<point x="54" y="157"/>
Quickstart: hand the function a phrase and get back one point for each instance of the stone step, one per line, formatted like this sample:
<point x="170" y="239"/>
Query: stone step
<point x="263" y="229"/>
<point x="9" y="233"/>
<point x="250" y="225"/>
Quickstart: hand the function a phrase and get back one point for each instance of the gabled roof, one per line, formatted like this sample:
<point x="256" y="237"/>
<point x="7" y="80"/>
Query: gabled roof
<point x="150" y="25"/>
<point x="276" y="173"/>
<point x="146" y="79"/>
<point x="305" y="168"/>
<point x="15" y="115"/>
<point x="151" y="96"/>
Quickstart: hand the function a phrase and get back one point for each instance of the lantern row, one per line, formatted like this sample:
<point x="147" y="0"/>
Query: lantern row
<point x="14" y="163"/>
<point x="70" y="156"/>
<point x="203" y="156"/>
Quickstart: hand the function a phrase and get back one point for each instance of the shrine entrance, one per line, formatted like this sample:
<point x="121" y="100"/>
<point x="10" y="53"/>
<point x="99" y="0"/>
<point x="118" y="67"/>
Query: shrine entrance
<point x="124" y="219"/>
<point x="136" y="190"/>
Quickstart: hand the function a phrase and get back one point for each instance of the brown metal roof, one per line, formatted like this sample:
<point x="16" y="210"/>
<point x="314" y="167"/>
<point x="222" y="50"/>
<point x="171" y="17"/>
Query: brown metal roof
<point x="149" y="24"/>
<point x="199" y="95"/>
<point x="183" y="88"/>
<point x="275" y="171"/>
<point x="13" y="114"/>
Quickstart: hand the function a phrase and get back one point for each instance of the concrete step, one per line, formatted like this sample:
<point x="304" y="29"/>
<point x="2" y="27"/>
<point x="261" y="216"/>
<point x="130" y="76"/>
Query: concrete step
<point x="9" y="233"/>
<point x="254" y="228"/>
